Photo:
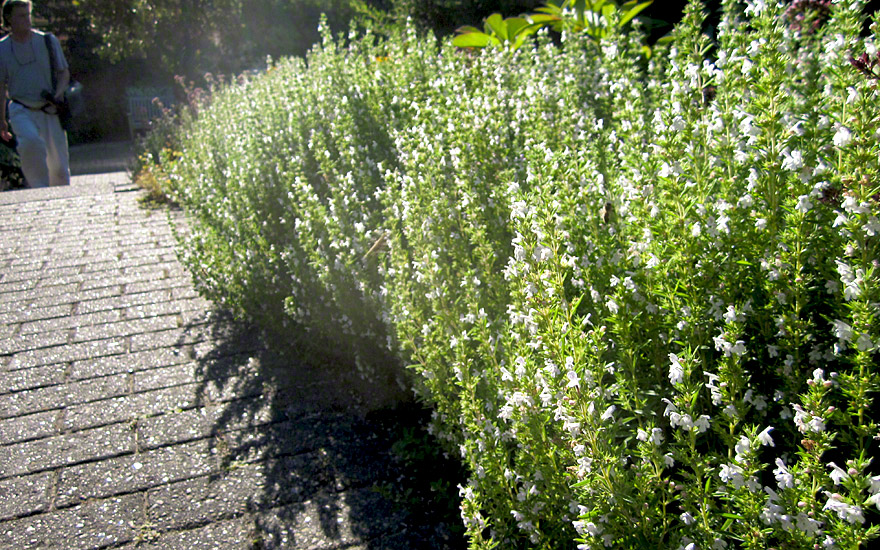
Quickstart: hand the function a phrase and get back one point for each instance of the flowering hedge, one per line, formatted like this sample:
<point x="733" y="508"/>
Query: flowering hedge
<point x="639" y="295"/>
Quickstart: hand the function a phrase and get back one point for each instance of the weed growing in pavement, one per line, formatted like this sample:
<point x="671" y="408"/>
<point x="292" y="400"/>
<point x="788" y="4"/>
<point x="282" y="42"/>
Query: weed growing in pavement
<point x="638" y="295"/>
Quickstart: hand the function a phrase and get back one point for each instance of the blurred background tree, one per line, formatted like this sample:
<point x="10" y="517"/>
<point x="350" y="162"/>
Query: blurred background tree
<point x="115" y="44"/>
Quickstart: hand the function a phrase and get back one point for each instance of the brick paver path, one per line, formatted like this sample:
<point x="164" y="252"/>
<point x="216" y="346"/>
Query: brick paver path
<point x="131" y="415"/>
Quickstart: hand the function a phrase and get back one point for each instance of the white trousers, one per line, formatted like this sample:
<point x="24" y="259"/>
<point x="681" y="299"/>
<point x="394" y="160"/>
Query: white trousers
<point x="42" y="146"/>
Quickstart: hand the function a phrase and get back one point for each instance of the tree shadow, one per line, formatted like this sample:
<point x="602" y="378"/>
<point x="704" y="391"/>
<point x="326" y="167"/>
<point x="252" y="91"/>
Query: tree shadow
<point x="334" y="459"/>
<point x="100" y="158"/>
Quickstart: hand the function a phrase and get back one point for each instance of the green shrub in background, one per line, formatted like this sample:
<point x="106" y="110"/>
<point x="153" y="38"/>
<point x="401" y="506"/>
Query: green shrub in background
<point x="639" y="296"/>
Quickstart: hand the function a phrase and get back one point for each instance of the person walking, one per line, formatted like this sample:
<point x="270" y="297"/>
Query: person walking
<point x="25" y="77"/>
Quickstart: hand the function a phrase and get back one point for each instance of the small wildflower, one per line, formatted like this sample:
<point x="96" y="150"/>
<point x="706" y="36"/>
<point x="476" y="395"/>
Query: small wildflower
<point x="837" y="474"/>
<point x="764" y="437"/>
<point x="844" y="510"/>
<point x="656" y="436"/>
<point x="842" y="137"/>
<point x="842" y="330"/>
<point x="784" y="478"/>
<point x="687" y="518"/>
<point x="676" y="371"/>
<point x="804" y="205"/>
<point x="609" y="413"/>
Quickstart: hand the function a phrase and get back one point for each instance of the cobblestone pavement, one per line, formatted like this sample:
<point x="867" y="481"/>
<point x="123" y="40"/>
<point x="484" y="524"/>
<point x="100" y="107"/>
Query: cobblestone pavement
<point x="133" y="415"/>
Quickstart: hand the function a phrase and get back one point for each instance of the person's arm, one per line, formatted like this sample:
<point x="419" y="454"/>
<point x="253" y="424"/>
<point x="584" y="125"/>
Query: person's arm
<point x="4" y="126"/>
<point x="62" y="75"/>
<point x="63" y="79"/>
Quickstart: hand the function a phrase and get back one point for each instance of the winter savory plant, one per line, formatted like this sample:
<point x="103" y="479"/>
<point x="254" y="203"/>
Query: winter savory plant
<point x="639" y="295"/>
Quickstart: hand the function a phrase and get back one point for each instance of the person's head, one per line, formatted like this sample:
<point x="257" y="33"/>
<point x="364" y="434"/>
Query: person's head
<point x="13" y="9"/>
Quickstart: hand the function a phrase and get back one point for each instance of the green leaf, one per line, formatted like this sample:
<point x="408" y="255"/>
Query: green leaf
<point x="467" y="29"/>
<point x="666" y="39"/>
<point x="515" y="25"/>
<point x="544" y="19"/>
<point x="496" y="25"/>
<point x="473" y="40"/>
<point x="633" y="8"/>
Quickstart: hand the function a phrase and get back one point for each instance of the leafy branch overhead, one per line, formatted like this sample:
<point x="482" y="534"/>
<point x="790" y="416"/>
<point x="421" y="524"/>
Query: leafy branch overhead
<point x="594" y="18"/>
<point x="511" y="32"/>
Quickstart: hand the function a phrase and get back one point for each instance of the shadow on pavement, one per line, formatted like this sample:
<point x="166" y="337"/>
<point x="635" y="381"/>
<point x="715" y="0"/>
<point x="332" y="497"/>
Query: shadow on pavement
<point x="328" y="456"/>
<point x="100" y="158"/>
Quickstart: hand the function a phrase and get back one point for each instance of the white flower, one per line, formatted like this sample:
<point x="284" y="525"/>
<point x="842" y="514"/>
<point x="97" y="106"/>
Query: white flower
<point x="573" y="380"/>
<point x="542" y="253"/>
<point x="742" y="447"/>
<point x="755" y="7"/>
<point x="676" y="371"/>
<point x="804" y="205"/>
<point x="837" y="475"/>
<point x="784" y="478"/>
<point x="875" y="483"/>
<point x="835" y="45"/>
<point x="852" y="205"/>
<point x="696" y="230"/>
<point x="730" y="411"/>
<point x="731" y="473"/>
<point x="657" y="437"/>
<point x="842" y="137"/>
<point x="873" y="500"/>
<point x="641" y="435"/>
<point x="832" y="287"/>
<point x="714" y="389"/>
<point x="764" y="437"/>
<point x="678" y="124"/>
<point x="687" y="518"/>
<point x="609" y="413"/>
<point x="739" y="348"/>
<point x="612" y="306"/>
<point x="842" y="330"/>
<point x="793" y="160"/>
<point x="808" y="525"/>
<point x="844" y="510"/>
<point x="519" y="209"/>
<point x="702" y="423"/>
<point x="852" y="94"/>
